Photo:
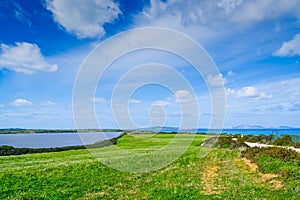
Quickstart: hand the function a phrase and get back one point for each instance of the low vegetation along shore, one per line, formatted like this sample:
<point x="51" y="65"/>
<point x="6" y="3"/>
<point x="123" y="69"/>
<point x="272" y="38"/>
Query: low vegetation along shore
<point x="223" y="169"/>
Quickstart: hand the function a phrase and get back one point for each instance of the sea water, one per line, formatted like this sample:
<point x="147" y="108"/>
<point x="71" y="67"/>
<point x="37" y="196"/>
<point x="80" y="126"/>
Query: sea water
<point x="47" y="140"/>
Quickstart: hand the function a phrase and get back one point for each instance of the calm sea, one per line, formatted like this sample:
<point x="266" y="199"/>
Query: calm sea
<point x="255" y="131"/>
<point x="235" y="131"/>
<point x="47" y="140"/>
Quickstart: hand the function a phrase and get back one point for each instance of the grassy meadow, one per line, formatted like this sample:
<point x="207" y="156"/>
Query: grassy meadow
<point x="76" y="174"/>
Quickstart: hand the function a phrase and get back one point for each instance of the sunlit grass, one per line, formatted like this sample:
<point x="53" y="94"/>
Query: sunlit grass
<point x="77" y="174"/>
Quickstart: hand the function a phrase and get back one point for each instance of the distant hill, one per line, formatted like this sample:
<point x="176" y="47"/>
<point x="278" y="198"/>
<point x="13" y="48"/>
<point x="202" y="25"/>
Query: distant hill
<point x="262" y="127"/>
<point x="160" y="129"/>
<point x="242" y="127"/>
<point x="250" y="127"/>
<point x="286" y="127"/>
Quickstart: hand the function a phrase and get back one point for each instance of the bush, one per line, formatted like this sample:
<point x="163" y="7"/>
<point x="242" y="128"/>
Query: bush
<point x="286" y="140"/>
<point x="266" y="139"/>
<point x="283" y="162"/>
<point x="224" y="142"/>
<point x="297" y="145"/>
<point x="287" y="170"/>
<point x="282" y="154"/>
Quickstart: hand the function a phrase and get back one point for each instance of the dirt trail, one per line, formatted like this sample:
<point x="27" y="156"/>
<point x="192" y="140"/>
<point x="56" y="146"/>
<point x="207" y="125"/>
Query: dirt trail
<point x="254" y="168"/>
<point x="211" y="175"/>
<point x="224" y="170"/>
<point x="208" y="179"/>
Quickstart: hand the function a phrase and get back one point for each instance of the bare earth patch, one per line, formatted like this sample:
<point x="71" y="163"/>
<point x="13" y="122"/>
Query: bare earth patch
<point x="253" y="167"/>
<point x="93" y="195"/>
<point x="264" y="177"/>
<point x="209" y="178"/>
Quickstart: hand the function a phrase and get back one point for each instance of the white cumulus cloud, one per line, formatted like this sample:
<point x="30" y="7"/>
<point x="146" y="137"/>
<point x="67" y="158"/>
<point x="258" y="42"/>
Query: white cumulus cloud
<point x="289" y="48"/>
<point x="21" y="102"/>
<point x="24" y="57"/>
<point x="216" y="80"/>
<point x="84" y="18"/>
<point x="249" y="92"/>
<point x="183" y="96"/>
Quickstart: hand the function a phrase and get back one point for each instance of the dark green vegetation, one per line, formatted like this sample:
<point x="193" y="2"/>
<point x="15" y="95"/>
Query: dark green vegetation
<point x="226" y="141"/>
<point x="236" y="141"/>
<point x="266" y="139"/>
<point x="283" y="140"/>
<point x="281" y="161"/>
<point x="200" y="173"/>
<point x="9" y="150"/>
<point x="20" y="131"/>
<point x="286" y="140"/>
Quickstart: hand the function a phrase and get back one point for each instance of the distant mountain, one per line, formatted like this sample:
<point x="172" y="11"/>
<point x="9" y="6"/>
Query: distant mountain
<point x="286" y="127"/>
<point x="242" y="127"/>
<point x="250" y="127"/>
<point x="261" y="127"/>
<point x="160" y="129"/>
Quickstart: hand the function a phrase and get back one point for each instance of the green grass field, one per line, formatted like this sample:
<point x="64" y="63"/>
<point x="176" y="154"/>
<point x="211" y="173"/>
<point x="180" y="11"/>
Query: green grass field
<point x="76" y="174"/>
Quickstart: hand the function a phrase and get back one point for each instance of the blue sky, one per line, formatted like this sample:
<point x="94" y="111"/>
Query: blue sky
<point x="254" y="44"/>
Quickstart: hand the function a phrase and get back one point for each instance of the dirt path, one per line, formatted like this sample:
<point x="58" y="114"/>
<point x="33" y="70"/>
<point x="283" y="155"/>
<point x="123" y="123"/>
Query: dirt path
<point x="250" y="144"/>
<point x="225" y="171"/>
<point x="247" y="166"/>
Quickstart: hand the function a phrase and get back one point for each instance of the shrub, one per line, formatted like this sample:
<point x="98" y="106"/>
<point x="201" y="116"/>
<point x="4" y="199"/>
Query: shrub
<point x="267" y="139"/>
<point x="297" y="145"/>
<point x="287" y="170"/>
<point x="286" y="140"/>
<point x="283" y="162"/>
<point x="282" y="154"/>
<point x="224" y="142"/>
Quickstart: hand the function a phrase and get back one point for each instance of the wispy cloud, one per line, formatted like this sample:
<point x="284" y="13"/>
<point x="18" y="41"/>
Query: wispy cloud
<point x="217" y="14"/>
<point x="162" y="103"/>
<point x="98" y="100"/>
<point x="295" y="107"/>
<point x="289" y="48"/>
<point x="135" y="101"/>
<point x="230" y="73"/>
<point x="47" y="103"/>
